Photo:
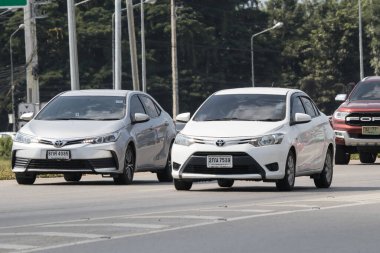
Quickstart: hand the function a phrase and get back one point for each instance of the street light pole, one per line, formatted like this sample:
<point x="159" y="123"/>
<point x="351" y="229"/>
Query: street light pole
<point x="360" y="41"/>
<point x="277" y="25"/>
<point x="74" y="71"/>
<point x="12" y="83"/>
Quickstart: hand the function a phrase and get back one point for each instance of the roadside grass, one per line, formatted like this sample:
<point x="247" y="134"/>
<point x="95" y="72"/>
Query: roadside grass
<point x="5" y="170"/>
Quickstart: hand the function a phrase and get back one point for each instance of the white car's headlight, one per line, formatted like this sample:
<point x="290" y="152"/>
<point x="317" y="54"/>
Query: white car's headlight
<point x="340" y="115"/>
<point x="24" y="138"/>
<point x="103" y="139"/>
<point x="184" y="140"/>
<point x="266" y="140"/>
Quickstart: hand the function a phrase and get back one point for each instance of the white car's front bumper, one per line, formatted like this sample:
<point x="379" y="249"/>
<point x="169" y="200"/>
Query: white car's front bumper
<point x="249" y="162"/>
<point x="84" y="158"/>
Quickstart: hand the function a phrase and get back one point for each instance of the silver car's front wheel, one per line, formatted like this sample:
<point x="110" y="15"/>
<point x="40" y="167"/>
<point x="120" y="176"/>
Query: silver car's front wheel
<point x="129" y="168"/>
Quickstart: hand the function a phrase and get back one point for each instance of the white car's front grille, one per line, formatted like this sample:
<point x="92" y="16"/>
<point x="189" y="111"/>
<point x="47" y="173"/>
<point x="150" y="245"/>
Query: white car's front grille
<point x="226" y="141"/>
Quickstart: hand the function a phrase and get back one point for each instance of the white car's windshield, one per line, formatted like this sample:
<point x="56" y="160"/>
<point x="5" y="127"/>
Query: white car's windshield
<point x="366" y="91"/>
<point x="84" y="108"/>
<point x="243" y="107"/>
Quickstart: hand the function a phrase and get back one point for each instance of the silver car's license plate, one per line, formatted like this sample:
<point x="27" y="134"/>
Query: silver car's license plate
<point x="219" y="161"/>
<point x="58" y="154"/>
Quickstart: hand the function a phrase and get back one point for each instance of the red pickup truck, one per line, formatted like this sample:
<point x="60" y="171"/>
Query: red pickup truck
<point x="357" y="122"/>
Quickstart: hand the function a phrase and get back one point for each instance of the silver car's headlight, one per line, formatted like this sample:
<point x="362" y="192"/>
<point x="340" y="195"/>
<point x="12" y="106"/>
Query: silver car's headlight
<point x="112" y="137"/>
<point x="270" y="139"/>
<point x="184" y="140"/>
<point x="340" y="115"/>
<point x="24" y="138"/>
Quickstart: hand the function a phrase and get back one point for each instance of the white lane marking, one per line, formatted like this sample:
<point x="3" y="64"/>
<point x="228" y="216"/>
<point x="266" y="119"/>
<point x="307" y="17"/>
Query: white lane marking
<point x="129" y="225"/>
<point x="15" y="246"/>
<point x="237" y="210"/>
<point x="195" y="217"/>
<point x="57" y="234"/>
<point x="201" y="225"/>
<point x="289" y="205"/>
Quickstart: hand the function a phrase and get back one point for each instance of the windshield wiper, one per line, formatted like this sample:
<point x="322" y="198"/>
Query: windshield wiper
<point x="74" y="118"/>
<point x="269" y="120"/>
<point x="227" y="119"/>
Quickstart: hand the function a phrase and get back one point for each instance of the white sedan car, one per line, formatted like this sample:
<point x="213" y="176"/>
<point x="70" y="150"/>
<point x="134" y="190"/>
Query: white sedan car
<point x="108" y="132"/>
<point x="268" y="134"/>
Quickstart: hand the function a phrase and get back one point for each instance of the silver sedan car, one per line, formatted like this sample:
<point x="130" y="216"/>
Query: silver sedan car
<point x="109" y="132"/>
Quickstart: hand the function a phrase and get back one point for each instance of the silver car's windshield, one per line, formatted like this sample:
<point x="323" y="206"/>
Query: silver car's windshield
<point x="244" y="107"/>
<point x="84" y="108"/>
<point x="366" y="91"/>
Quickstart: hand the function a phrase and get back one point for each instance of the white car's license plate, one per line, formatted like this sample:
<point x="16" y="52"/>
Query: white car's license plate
<point x="371" y="130"/>
<point x="58" y="154"/>
<point x="219" y="161"/>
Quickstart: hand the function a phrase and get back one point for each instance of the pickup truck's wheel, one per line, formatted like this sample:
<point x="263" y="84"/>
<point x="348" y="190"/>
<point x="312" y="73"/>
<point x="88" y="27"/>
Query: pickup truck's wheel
<point x="25" y="178"/>
<point x="225" y="182"/>
<point x="341" y="156"/>
<point x="181" y="185"/>
<point x="324" y="179"/>
<point x="287" y="183"/>
<point x="367" y="157"/>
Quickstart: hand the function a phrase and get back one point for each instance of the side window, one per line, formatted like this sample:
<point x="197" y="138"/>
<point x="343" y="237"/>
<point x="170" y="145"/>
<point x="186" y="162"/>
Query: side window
<point x="297" y="106"/>
<point x="309" y="107"/>
<point x="136" y="106"/>
<point x="149" y="106"/>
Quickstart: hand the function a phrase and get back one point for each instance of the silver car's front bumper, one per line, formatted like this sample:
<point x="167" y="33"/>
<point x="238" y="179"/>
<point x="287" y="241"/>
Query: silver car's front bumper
<point x="84" y="158"/>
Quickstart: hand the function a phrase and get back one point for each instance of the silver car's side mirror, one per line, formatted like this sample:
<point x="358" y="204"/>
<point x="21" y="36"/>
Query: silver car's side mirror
<point x="302" y="118"/>
<point x="140" y="117"/>
<point x="183" y="117"/>
<point x="341" y="97"/>
<point x="27" y="116"/>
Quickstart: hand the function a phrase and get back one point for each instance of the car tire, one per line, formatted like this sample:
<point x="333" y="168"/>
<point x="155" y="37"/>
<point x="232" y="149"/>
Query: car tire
<point x="73" y="177"/>
<point x="165" y="175"/>
<point x="367" y="157"/>
<point x="181" y="185"/>
<point x="324" y="179"/>
<point x="226" y="182"/>
<point x="287" y="183"/>
<point x="25" y="178"/>
<point x="126" y="177"/>
<point x="341" y="156"/>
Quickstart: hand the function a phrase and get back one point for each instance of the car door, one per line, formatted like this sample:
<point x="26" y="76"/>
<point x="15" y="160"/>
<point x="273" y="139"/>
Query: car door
<point x="317" y="134"/>
<point x="159" y="125"/>
<point x="301" y="134"/>
<point x="144" y="135"/>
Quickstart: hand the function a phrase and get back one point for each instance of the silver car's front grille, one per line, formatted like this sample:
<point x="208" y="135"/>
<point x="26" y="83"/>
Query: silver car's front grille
<point x="66" y="142"/>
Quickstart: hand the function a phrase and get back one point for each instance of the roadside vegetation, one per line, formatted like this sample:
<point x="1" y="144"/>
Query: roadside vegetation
<point x="5" y="158"/>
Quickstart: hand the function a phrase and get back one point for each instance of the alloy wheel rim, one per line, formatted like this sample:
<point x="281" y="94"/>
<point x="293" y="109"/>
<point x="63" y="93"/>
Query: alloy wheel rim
<point x="129" y="162"/>
<point x="290" y="165"/>
<point x="328" y="166"/>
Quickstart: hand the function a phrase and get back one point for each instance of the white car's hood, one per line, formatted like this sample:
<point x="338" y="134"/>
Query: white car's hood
<point x="230" y="129"/>
<point x="67" y="129"/>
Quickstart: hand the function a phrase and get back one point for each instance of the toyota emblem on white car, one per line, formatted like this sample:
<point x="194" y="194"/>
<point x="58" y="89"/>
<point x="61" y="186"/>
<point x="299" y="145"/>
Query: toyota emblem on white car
<point x="220" y="143"/>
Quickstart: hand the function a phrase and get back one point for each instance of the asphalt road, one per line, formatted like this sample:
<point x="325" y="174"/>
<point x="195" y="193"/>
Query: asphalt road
<point x="95" y="215"/>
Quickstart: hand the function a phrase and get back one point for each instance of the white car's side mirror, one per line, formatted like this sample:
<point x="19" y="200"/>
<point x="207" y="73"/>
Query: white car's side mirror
<point x="302" y="118"/>
<point x="183" y="117"/>
<point x="27" y="116"/>
<point x="341" y="97"/>
<point x="141" y="117"/>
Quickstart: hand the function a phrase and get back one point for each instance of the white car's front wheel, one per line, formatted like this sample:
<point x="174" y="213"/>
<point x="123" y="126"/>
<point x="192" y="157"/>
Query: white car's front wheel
<point x="181" y="185"/>
<point x="324" y="179"/>
<point x="287" y="183"/>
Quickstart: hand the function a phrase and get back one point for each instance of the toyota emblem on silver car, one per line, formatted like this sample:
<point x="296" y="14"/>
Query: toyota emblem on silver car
<point x="220" y="143"/>
<point x="59" y="144"/>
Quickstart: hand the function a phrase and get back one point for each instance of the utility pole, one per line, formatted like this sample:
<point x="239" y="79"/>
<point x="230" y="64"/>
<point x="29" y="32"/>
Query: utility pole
<point x="117" y="51"/>
<point x="74" y="72"/>
<point x="132" y="45"/>
<point x="174" y="58"/>
<point x="31" y="54"/>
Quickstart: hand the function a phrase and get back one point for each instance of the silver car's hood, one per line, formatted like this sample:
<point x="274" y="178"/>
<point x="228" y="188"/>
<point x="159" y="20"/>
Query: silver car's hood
<point x="68" y="129"/>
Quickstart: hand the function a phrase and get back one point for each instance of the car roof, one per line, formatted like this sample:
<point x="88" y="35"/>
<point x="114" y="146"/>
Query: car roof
<point x="371" y="78"/>
<point x="96" y="92"/>
<point x="257" y="90"/>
